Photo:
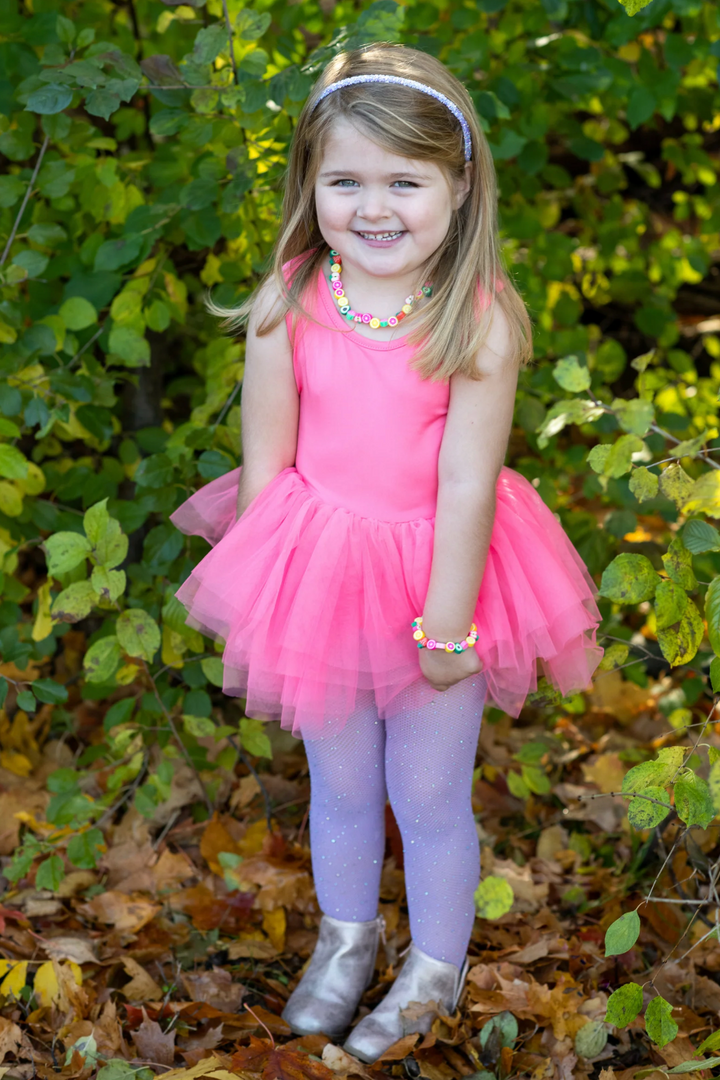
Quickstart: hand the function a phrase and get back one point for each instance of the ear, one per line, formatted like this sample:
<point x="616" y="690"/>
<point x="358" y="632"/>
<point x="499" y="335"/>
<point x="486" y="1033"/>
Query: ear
<point x="463" y="186"/>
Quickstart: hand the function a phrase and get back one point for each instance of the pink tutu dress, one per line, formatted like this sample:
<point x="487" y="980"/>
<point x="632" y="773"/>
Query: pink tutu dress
<point x="314" y="588"/>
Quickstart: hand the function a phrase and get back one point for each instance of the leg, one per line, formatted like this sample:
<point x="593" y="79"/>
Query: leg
<point x="347" y="841"/>
<point x="347" y="815"/>
<point x="429" y="762"/>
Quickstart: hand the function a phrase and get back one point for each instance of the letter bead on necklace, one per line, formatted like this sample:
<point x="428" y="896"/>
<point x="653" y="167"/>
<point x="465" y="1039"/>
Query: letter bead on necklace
<point x="372" y="321"/>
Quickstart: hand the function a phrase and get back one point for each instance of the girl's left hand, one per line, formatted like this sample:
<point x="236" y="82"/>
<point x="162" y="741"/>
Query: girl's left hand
<point x="442" y="669"/>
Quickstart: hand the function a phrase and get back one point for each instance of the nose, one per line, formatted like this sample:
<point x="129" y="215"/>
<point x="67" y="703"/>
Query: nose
<point x="373" y="206"/>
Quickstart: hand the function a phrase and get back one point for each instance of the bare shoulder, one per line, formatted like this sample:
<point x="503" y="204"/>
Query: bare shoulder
<point x="268" y="306"/>
<point x="497" y="357"/>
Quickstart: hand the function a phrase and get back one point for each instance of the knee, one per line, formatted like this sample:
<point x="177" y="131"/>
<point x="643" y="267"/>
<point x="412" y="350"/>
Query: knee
<point x="424" y="807"/>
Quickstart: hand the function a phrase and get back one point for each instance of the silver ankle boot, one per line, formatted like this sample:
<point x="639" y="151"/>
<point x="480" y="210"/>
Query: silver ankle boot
<point x="422" y="979"/>
<point x="341" y="969"/>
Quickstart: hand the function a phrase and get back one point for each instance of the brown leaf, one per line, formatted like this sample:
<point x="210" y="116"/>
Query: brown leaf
<point x="278" y="1063"/>
<point x="209" y="911"/>
<point x="122" y="912"/>
<point x="400" y="1049"/>
<point x="153" y="1044"/>
<point x="215" y="988"/>
<point x="79" y="950"/>
<point x="142" y="987"/>
<point x="216" y="840"/>
<point x="11" y="1038"/>
<point x="342" y="1063"/>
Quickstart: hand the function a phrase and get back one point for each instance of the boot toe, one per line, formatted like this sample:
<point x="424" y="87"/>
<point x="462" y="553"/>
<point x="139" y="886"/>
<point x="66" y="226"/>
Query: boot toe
<point x="369" y="1040"/>
<point x="316" y="1017"/>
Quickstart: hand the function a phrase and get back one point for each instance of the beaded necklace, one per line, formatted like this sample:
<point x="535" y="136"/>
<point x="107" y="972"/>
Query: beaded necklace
<point x="372" y="321"/>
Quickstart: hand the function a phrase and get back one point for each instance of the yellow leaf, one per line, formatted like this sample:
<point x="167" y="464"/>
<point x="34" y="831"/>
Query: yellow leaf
<point x="210" y="273"/>
<point x="173" y="647"/>
<point x="5" y="966"/>
<point x="15" y="763"/>
<point x="274" y="925"/>
<point x="126" y="674"/>
<point x="46" y="984"/>
<point x="14" y="981"/>
<point x="34" y="482"/>
<point x="704" y="496"/>
<point x="42" y="627"/>
<point x="10" y="499"/>
<point x="7" y="334"/>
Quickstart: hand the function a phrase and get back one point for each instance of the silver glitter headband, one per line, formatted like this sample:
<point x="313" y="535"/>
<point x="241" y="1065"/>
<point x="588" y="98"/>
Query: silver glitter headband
<point x="355" y="80"/>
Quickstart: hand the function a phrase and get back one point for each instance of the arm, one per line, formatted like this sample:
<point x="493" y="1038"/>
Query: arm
<point x="270" y="403"/>
<point x="471" y="456"/>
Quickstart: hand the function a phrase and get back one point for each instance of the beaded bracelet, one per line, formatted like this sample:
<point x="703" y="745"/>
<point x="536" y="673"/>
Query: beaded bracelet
<point x="424" y="642"/>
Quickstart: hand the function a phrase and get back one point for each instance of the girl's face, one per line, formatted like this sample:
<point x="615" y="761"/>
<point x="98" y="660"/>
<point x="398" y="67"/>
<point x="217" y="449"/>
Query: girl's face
<point x="384" y="213"/>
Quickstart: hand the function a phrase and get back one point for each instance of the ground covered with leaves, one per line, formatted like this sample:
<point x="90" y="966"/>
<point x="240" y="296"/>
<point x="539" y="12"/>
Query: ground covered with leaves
<point x="175" y="956"/>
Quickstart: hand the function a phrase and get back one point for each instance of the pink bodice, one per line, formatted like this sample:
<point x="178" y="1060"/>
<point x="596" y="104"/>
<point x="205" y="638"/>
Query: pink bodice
<point x="370" y="426"/>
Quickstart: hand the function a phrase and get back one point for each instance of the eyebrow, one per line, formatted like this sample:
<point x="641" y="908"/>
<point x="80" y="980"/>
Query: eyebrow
<point x="347" y="173"/>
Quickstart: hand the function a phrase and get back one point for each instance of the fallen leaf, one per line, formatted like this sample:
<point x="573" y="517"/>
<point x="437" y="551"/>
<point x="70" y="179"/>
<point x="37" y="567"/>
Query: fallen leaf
<point x="400" y="1049"/>
<point x="153" y="1044"/>
<point x="550" y="841"/>
<point x="79" y="950"/>
<point x="215" y="987"/>
<point x="15" y="977"/>
<point x="142" y="987"/>
<point x="275" y="924"/>
<point x="125" y="913"/>
<point x="342" y="1063"/>
<point x="215" y="841"/>
<point x="11" y="1038"/>
<point x="277" y="1063"/>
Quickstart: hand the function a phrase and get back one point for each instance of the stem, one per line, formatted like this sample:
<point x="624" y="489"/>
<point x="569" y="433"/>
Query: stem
<point x="230" y="40"/>
<point x="256" y="1017"/>
<point x="624" y="795"/>
<point x="24" y="203"/>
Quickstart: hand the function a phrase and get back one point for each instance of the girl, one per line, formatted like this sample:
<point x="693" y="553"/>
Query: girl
<point x="385" y="569"/>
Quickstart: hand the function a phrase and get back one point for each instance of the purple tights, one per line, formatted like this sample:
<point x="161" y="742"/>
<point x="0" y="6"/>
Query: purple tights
<point x="423" y="759"/>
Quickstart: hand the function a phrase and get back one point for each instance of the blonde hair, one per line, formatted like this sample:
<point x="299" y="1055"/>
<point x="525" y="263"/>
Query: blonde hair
<point x="451" y="326"/>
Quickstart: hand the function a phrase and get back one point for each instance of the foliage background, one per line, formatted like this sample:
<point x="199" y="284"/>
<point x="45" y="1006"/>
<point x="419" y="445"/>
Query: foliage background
<point x="142" y="164"/>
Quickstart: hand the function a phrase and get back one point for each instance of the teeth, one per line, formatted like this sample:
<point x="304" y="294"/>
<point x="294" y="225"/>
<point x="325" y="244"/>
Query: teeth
<point x="381" y="236"/>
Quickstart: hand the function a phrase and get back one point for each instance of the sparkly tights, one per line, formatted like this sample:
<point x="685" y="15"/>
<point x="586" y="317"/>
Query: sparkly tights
<point x="423" y="759"/>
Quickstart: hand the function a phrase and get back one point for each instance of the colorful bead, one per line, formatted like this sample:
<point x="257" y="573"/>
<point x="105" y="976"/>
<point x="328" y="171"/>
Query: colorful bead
<point x="431" y="644"/>
<point x="418" y="635"/>
<point x="424" y="642"/>
<point x="366" y="318"/>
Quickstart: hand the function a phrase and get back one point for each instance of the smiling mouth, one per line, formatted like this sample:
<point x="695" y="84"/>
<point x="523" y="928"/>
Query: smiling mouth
<point x="381" y="236"/>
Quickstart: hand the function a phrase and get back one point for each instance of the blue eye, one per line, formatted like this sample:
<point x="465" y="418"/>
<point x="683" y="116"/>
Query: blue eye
<point x="341" y="183"/>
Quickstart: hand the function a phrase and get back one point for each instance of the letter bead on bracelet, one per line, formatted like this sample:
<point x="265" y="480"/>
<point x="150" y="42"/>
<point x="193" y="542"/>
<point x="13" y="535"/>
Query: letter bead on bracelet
<point x="424" y="642"/>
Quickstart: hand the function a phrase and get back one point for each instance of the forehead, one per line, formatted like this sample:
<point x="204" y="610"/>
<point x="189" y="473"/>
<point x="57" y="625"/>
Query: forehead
<point x="346" y="146"/>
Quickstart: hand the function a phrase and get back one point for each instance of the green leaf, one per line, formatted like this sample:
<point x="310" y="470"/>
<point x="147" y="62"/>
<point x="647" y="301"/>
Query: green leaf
<point x="646" y="815"/>
<point x="619" y="460"/>
<point x="119" y="713"/>
<point x="138" y="633"/>
<point x="84" y="849"/>
<point x="13" y="464"/>
<point x="712" y="614"/>
<point x="78" y="313"/>
<point x="200" y="726"/>
<point x="634" y="415"/>
<point x="506" y="1027"/>
<point x="154" y="471"/>
<point x="26" y="701"/>
<point x="108" y="584"/>
<point x="694" y="1066"/>
<point x="251" y="25"/>
<point x="629" y="579"/>
<point x="3" y="690"/>
<point x="74" y="603"/>
<point x="650" y="774"/>
<point x="597" y="457"/>
<point x="253" y="736"/>
<point x="676" y="485"/>
<point x="517" y="786"/>
<point x="633" y="6"/>
<point x="571" y="374"/>
<point x="659" y="1024"/>
<point x="670" y="603"/>
<point x="678" y="564"/>
<point x="693" y="801"/>
<point x="212" y="669"/>
<point x="209" y="42"/>
<point x="681" y="641"/>
<point x="624" y="1004"/>
<point x="102" y="659"/>
<point x="591" y="1039"/>
<point x="643" y="484"/>
<point x="642" y="103"/>
<point x="50" y="873"/>
<point x="49" y="99"/>
<point x="711" y="1043"/>
<point x="535" y="779"/>
<point x="493" y="897"/>
<point x="700" y="536"/>
<point x="715" y="674"/>
<point x="128" y="345"/>
<point x="64" y="551"/>
<point x="622" y="934"/>
<point x="49" y="692"/>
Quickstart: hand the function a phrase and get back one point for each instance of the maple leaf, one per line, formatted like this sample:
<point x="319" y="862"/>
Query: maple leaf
<point x="278" y="1063"/>
<point x="154" y="1044"/>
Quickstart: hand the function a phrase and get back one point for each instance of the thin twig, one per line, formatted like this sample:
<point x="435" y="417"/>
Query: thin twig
<point x="24" y="203"/>
<point x="256" y="1017"/>
<point x="230" y="38"/>
<point x="625" y="795"/>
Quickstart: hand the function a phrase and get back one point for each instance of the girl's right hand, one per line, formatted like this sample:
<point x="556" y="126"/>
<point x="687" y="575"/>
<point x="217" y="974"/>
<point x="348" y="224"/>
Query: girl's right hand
<point x="442" y="669"/>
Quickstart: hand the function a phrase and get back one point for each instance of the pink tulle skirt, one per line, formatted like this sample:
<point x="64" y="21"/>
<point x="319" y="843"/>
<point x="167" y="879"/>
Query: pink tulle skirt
<point x="314" y="602"/>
